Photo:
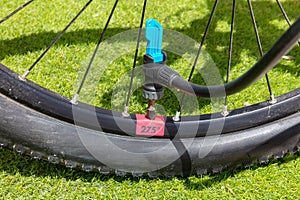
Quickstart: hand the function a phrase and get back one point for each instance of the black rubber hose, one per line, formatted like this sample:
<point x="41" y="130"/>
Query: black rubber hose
<point x="267" y="62"/>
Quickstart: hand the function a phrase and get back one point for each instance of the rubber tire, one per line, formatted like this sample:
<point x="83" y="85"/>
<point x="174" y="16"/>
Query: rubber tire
<point x="34" y="133"/>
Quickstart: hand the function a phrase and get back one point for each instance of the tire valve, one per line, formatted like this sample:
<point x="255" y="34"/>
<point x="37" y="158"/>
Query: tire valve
<point x="154" y="56"/>
<point x="151" y="109"/>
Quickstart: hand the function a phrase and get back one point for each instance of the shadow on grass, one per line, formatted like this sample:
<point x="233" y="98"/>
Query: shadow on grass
<point x="40" y="41"/>
<point x="13" y="163"/>
<point x="208" y="181"/>
<point x="217" y="41"/>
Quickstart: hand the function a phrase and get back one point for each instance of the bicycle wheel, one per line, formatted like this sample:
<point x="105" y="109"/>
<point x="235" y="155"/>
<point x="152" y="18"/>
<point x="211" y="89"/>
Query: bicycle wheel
<point x="44" y="124"/>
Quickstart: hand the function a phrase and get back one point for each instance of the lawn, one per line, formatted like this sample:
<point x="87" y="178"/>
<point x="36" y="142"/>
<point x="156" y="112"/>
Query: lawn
<point x="24" y="178"/>
<point x="24" y="37"/>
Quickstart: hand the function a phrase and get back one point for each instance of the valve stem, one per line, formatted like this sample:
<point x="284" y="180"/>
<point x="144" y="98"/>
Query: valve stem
<point x="151" y="109"/>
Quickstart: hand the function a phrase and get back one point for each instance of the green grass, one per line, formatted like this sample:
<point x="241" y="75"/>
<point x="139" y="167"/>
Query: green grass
<point x="24" y="178"/>
<point x="25" y="36"/>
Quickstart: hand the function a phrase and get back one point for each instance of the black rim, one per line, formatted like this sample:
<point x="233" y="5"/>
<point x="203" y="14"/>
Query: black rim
<point x="59" y="107"/>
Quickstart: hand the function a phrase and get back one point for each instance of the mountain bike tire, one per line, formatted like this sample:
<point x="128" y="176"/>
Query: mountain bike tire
<point x="40" y="123"/>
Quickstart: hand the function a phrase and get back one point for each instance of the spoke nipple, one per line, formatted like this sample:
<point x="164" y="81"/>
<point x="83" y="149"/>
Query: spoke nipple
<point x="225" y="111"/>
<point x="23" y="77"/>
<point x="176" y="118"/>
<point x="125" y="112"/>
<point x="74" y="101"/>
<point x="273" y="100"/>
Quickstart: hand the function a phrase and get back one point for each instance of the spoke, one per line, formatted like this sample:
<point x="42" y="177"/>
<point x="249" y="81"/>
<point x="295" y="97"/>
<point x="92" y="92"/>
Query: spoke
<point x="23" y="77"/>
<point x="284" y="14"/>
<point x="177" y="116"/>
<point x="272" y="98"/>
<point x="230" y="42"/>
<point x="225" y="111"/>
<point x="125" y="113"/>
<point x="15" y="11"/>
<point x="76" y="96"/>
<point x="203" y="39"/>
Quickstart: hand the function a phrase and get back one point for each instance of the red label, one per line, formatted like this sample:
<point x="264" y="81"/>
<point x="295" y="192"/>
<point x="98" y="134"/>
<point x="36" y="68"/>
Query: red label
<point x="147" y="127"/>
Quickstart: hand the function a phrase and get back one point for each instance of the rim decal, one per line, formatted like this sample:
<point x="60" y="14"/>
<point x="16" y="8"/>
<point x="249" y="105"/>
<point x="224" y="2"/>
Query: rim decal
<point x="147" y="127"/>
